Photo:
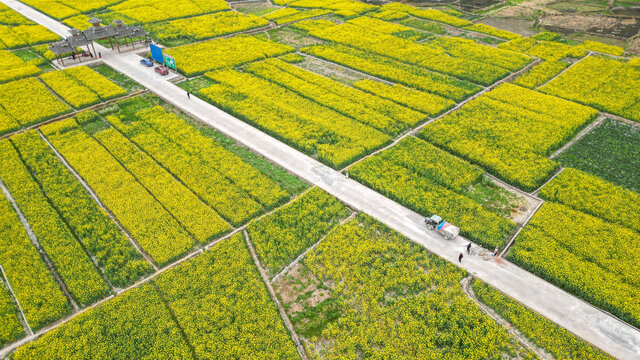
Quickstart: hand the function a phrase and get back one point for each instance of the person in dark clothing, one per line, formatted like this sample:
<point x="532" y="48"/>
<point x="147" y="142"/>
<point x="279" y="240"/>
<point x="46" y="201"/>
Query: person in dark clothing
<point x="460" y="257"/>
<point x="188" y="95"/>
<point x="469" y="248"/>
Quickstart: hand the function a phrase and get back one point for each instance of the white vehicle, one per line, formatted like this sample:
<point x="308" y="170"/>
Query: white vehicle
<point x="445" y="228"/>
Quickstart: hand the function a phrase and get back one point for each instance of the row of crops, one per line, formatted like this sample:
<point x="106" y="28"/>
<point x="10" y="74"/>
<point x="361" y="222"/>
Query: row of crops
<point x="509" y="132"/>
<point x="53" y="94"/>
<point x="165" y="189"/>
<point x="584" y="239"/>
<point x="16" y="31"/>
<point x="215" y="304"/>
<point x="173" y="188"/>
<point x="364" y="289"/>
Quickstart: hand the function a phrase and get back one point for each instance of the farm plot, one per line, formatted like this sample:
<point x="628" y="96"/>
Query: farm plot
<point x="319" y="131"/>
<point x="61" y="9"/>
<point x="610" y="151"/>
<point x="117" y="78"/>
<point x="383" y="115"/>
<point x="395" y="71"/>
<point x="198" y="219"/>
<point x="10" y="17"/>
<point x="426" y="14"/>
<point x="510" y="131"/>
<point x="344" y="8"/>
<point x="259" y="186"/>
<point x="389" y="28"/>
<point x="134" y="11"/>
<point x="585" y="255"/>
<point x="223" y="306"/>
<point x="196" y="59"/>
<point x="431" y="181"/>
<point x="191" y="157"/>
<point x="427" y="103"/>
<point x="41" y="299"/>
<point x="280" y="237"/>
<point x="547" y="50"/>
<point x="153" y="227"/>
<point x="102" y="239"/>
<point x="82" y="278"/>
<point x="29" y="93"/>
<point x="594" y="196"/>
<point x="557" y="341"/>
<point x="10" y="327"/>
<point x="541" y="73"/>
<point x="13" y="68"/>
<point x="606" y="84"/>
<point x="81" y="86"/>
<point x="203" y="27"/>
<point x="367" y="291"/>
<point x="461" y="58"/>
<point x="7" y="123"/>
<point x="134" y="325"/>
<point x="18" y="31"/>
<point x="287" y="15"/>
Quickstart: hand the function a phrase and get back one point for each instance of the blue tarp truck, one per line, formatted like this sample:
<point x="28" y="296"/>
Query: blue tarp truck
<point x="445" y="228"/>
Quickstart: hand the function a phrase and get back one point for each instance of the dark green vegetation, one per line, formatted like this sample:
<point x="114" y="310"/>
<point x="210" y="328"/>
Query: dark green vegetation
<point x="611" y="151"/>
<point x="122" y="80"/>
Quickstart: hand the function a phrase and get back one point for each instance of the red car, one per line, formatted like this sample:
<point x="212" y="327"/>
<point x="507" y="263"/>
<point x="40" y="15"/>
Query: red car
<point x="162" y="70"/>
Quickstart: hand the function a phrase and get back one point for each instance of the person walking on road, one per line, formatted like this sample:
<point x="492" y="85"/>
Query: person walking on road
<point x="469" y="248"/>
<point x="460" y="257"/>
<point x="495" y="252"/>
<point x="188" y="96"/>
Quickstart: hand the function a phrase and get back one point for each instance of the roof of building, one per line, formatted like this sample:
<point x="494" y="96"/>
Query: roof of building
<point x="96" y="32"/>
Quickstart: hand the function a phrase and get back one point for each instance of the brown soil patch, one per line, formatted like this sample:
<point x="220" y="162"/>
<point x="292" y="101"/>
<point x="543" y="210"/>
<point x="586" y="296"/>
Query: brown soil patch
<point x="300" y="289"/>
<point x="332" y="71"/>
<point x="634" y="45"/>
<point x="604" y="25"/>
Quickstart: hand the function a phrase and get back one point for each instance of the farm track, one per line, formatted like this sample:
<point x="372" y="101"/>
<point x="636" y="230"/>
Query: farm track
<point x="578" y="136"/>
<point x="468" y="290"/>
<point x="415" y="130"/>
<point x="584" y="320"/>
<point x="4" y="352"/>
<point x="23" y="319"/>
<point x="98" y="201"/>
<point x="283" y="314"/>
<point x="307" y="250"/>
<point x="73" y="113"/>
<point x="34" y="239"/>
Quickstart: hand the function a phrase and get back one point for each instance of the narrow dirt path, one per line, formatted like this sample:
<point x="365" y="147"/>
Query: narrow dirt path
<point x="23" y="319"/>
<point x="10" y="348"/>
<point x="301" y="256"/>
<point x="513" y="331"/>
<point x="287" y="322"/>
<point x="95" y="197"/>
<point x="562" y="72"/>
<point x="36" y="243"/>
<point x="579" y="136"/>
<point x="455" y="108"/>
<point x="73" y="113"/>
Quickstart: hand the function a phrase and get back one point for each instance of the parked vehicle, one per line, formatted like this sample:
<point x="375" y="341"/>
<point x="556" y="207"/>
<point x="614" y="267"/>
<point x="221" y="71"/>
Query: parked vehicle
<point x="445" y="228"/>
<point x="162" y="70"/>
<point x="146" y="62"/>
